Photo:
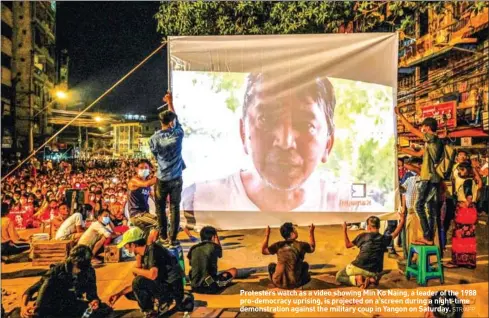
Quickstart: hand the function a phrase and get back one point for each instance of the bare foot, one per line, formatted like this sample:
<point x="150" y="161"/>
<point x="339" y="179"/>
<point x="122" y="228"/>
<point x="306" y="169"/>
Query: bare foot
<point x="366" y="283"/>
<point x="374" y="281"/>
<point x="450" y="265"/>
<point x="359" y="280"/>
<point x="423" y="241"/>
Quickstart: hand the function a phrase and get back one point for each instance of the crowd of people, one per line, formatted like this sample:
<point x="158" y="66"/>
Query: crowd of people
<point x="97" y="204"/>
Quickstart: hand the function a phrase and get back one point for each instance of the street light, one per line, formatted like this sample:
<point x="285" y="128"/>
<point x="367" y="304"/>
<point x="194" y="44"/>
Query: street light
<point x="98" y="119"/>
<point x="61" y="94"/>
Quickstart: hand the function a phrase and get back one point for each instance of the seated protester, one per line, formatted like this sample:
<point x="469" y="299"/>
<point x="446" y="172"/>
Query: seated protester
<point x="139" y="193"/>
<point x="290" y="271"/>
<point x="48" y="211"/>
<point x="117" y="215"/>
<point x="60" y="290"/>
<point x="63" y="213"/>
<point x="12" y="244"/>
<point x="204" y="277"/>
<point x="368" y="265"/>
<point x="158" y="274"/>
<point x="72" y="228"/>
<point x="96" y="235"/>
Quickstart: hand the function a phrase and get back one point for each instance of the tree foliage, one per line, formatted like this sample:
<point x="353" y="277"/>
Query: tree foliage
<point x="294" y="17"/>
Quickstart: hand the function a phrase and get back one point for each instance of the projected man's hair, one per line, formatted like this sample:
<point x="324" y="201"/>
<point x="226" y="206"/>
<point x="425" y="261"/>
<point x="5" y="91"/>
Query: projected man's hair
<point x="319" y="89"/>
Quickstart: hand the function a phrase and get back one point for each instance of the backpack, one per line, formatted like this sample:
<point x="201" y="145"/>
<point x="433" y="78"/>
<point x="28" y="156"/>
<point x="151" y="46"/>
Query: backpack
<point x="445" y="164"/>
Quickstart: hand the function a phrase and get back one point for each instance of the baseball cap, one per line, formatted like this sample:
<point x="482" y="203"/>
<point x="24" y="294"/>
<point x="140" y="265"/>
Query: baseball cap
<point x="132" y="235"/>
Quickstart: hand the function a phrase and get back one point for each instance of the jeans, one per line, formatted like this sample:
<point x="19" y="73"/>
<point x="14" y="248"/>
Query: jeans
<point x="172" y="188"/>
<point x="347" y="276"/>
<point x="429" y="197"/>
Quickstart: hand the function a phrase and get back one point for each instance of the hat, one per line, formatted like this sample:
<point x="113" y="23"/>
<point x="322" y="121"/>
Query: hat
<point x="430" y="122"/>
<point x="132" y="235"/>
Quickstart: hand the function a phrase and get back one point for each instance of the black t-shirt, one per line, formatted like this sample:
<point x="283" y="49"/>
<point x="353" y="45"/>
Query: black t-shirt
<point x="290" y="259"/>
<point x="169" y="271"/>
<point x="372" y="247"/>
<point x="203" y="262"/>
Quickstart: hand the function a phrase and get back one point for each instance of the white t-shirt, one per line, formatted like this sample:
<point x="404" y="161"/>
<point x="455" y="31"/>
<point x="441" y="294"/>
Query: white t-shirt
<point x="68" y="227"/>
<point x="229" y="194"/>
<point x="93" y="234"/>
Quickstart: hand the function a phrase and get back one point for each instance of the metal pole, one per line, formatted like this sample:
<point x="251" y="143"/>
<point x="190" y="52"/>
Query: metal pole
<point x="168" y="62"/>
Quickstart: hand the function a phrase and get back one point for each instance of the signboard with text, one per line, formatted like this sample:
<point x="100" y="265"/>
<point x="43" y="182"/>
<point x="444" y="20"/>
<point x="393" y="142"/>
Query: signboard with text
<point x="444" y="113"/>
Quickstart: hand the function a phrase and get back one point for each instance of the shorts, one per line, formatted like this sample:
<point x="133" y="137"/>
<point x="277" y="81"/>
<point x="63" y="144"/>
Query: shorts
<point x="220" y="282"/>
<point x="145" y="221"/>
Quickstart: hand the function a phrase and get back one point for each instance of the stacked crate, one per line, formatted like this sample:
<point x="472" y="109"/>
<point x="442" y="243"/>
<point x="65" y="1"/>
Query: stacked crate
<point x="50" y="252"/>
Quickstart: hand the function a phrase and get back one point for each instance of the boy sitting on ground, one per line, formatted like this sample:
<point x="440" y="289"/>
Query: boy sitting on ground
<point x="290" y="271"/>
<point x="368" y="265"/>
<point x="204" y="277"/>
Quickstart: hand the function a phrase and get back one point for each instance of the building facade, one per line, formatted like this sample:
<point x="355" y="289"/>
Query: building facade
<point x="31" y="27"/>
<point x="126" y="138"/>
<point x="7" y="89"/>
<point x="444" y="66"/>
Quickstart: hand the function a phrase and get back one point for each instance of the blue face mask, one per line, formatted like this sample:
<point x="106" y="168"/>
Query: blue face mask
<point x="106" y="220"/>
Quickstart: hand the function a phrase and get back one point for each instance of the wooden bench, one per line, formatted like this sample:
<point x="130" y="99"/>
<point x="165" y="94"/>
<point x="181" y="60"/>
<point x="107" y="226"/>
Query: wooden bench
<point x="50" y="252"/>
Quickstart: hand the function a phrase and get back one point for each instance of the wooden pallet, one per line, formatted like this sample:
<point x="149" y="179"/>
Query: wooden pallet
<point x="50" y="252"/>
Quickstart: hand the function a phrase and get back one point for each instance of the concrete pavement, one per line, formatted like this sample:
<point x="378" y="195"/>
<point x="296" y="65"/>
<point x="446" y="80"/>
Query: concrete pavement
<point x="242" y="249"/>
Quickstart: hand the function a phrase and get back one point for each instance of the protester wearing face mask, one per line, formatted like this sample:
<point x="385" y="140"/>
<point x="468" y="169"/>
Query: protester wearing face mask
<point x="139" y="192"/>
<point x="96" y="235"/>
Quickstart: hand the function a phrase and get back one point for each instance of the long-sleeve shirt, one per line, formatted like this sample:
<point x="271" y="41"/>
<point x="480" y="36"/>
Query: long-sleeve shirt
<point x="166" y="146"/>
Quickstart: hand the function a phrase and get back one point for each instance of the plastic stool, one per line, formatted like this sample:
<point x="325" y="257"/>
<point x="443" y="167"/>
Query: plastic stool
<point x="422" y="270"/>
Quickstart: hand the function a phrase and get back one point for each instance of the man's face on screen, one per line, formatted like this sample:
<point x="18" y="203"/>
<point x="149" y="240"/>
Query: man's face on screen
<point x="286" y="139"/>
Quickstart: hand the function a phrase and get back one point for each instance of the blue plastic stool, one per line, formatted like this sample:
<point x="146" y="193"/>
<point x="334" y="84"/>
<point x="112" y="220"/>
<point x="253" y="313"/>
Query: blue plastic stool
<point x="422" y="269"/>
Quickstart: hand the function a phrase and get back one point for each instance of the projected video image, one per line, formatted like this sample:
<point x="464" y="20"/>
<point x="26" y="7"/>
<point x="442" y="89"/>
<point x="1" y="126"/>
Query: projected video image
<point x="260" y="142"/>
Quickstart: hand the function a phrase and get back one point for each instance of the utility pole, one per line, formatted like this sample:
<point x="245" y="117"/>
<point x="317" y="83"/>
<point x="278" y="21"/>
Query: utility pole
<point x="31" y="113"/>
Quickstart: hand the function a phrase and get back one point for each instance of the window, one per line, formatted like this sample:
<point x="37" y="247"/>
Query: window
<point x="6" y="30"/>
<point x="6" y="60"/>
<point x="423" y="23"/>
<point x="8" y="4"/>
<point x="6" y="91"/>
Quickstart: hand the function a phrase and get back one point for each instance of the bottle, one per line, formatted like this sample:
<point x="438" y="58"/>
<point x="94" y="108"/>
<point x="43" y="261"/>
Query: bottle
<point x="88" y="312"/>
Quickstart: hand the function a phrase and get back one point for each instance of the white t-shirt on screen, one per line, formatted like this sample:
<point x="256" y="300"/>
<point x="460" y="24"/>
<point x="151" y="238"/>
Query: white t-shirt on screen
<point x="229" y="194"/>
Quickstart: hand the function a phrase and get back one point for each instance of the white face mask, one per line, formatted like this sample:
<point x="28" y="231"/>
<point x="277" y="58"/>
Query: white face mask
<point x="143" y="173"/>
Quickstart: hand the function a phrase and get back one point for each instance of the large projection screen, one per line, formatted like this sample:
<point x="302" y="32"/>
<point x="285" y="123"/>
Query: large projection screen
<point x="278" y="128"/>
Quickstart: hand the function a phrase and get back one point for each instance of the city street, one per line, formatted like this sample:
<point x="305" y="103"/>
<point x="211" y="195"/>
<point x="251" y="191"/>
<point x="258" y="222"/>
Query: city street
<point x="242" y="249"/>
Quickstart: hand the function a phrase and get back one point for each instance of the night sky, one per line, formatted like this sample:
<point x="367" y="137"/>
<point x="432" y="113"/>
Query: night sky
<point x="104" y="41"/>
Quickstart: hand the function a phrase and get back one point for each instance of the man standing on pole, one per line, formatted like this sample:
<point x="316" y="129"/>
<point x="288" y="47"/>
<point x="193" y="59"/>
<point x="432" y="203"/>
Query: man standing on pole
<point x="166" y="146"/>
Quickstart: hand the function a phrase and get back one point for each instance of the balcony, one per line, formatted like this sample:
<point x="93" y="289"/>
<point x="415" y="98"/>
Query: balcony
<point x="45" y="27"/>
<point x="445" y="39"/>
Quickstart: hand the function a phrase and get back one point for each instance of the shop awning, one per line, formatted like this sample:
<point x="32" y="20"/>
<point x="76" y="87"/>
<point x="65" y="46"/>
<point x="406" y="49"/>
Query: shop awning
<point x="471" y="132"/>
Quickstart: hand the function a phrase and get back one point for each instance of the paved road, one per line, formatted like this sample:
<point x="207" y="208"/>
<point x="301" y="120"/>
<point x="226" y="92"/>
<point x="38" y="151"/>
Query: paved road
<point x="242" y="249"/>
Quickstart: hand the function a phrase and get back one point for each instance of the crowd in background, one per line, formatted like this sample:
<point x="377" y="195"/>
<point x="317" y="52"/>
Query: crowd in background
<point x="36" y="194"/>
